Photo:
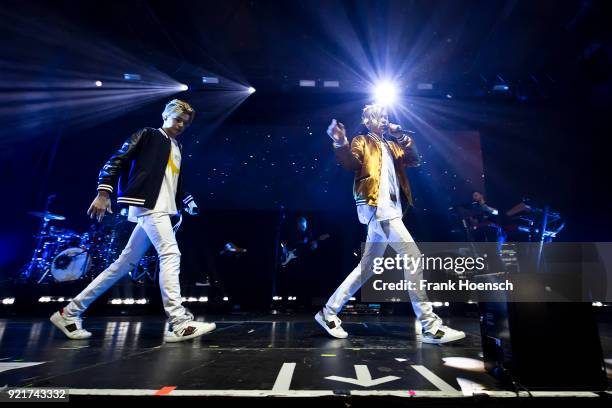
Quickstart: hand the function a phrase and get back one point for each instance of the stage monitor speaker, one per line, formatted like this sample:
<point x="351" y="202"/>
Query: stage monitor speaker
<point x="546" y="346"/>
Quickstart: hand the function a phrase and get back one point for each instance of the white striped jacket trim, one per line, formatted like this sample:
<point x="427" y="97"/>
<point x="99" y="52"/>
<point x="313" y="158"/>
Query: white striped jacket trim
<point x="188" y="199"/>
<point x="106" y="187"/>
<point x="130" y="200"/>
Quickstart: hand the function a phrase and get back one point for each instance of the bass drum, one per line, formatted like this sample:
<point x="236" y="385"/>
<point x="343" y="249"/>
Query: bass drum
<point x="71" y="264"/>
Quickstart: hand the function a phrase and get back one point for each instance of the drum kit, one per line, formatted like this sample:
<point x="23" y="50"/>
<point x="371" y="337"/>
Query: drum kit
<point x="62" y="255"/>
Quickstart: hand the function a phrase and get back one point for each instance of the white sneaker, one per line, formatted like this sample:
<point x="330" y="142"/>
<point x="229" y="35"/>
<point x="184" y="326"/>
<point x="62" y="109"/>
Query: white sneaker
<point x="189" y="330"/>
<point x="332" y="324"/>
<point x="444" y="335"/>
<point x="72" y="327"/>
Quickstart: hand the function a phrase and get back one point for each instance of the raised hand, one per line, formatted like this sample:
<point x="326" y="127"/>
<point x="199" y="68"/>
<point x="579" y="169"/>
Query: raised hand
<point x="337" y="132"/>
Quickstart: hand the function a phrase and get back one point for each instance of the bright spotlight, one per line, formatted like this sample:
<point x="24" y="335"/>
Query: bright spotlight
<point x="251" y="90"/>
<point x="98" y="83"/>
<point x="385" y="93"/>
<point x="183" y="87"/>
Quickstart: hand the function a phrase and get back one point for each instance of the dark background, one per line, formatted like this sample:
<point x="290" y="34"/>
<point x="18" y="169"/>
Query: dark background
<point x="544" y="139"/>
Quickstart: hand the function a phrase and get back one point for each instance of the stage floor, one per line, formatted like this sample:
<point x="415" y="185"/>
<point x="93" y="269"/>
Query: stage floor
<point x="251" y="356"/>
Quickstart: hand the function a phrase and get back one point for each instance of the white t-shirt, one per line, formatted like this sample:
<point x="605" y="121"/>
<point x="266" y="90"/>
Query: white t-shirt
<point x="165" y="203"/>
<point x="387" y="209"/>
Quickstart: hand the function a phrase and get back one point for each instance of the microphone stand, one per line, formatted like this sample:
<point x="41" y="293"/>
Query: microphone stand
<point x="277" y="240"/>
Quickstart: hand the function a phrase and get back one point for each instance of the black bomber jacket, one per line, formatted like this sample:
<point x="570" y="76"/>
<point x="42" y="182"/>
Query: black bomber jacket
<point x="138" y="168"/>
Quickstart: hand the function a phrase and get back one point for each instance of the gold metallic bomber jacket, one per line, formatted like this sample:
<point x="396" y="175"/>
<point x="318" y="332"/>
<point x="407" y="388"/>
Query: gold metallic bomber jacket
<point x="364" y="157"/>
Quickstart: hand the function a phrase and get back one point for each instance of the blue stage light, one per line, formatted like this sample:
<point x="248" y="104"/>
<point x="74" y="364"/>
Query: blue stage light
<point x="251" y="90"/>
<point x="183" y="87"/>
<point x="308" y="83"/>
<point x="131" y="77"/>
<point x="210" y="80"/>
<point x="424" y="86"/>
<point x="501" y="88"/>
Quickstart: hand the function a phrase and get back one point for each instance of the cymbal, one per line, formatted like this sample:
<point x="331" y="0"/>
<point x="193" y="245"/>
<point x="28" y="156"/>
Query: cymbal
<point x="47" y="215"/>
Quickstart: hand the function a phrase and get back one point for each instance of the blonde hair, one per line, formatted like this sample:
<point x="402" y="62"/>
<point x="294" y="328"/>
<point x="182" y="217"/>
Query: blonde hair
<point x="373" y="113"/>
<point x="177" y="107"/>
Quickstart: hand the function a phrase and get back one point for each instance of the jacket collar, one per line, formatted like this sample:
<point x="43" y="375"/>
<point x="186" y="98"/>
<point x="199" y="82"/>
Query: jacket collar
<point x="378" y="139"/>
<point x="163" y="132"/>
<point x="170" y="139"/>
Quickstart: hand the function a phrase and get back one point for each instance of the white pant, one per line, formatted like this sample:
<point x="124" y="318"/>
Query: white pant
<point x="154" y="228"/>
<point x="394" y="233"/>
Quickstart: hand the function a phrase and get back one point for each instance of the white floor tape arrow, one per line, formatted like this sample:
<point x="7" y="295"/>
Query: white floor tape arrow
<point x="364" y="378"/>
<point x="14" y="366"/>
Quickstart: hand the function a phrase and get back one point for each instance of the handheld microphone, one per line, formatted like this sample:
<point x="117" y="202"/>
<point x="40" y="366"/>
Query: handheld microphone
<point x="405" y="132"/>
<point x="399" y="130"/>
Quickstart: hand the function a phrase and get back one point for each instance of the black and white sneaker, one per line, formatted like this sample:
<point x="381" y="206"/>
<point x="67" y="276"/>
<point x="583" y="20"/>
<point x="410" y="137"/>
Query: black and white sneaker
<point x="188" y="331"/>
<point x="443" y="335"/>
<point x="72" y="327"/>
<point x="332" y="325"/>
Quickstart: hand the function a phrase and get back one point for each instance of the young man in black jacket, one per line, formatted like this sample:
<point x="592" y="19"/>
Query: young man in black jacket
<point x="147" y="168"/>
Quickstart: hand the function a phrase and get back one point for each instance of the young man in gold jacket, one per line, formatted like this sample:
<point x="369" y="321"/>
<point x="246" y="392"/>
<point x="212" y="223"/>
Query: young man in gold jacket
<point x="378" y="159"/>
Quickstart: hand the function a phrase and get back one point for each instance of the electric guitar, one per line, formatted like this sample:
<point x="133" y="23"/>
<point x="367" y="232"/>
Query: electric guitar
<point x="291" y="254"/>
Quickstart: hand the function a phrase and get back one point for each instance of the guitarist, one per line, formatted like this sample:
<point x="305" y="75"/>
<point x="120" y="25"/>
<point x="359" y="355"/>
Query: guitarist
<point x="302" y="244"/>
<point x="296" y="260"/>
<point x="303" y="236"/>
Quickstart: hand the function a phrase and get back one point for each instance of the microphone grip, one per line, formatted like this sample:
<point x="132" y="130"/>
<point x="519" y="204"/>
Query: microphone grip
<point x="405" y="132"/>
<point x="400" y="130"/>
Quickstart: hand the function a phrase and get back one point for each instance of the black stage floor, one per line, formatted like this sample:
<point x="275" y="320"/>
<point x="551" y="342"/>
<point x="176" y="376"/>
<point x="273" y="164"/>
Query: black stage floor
<point x="254" y="356"/>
